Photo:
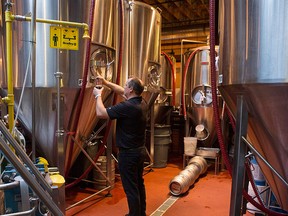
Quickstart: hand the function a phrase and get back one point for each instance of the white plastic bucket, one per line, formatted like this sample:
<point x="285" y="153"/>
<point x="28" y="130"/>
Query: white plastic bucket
<point x="190" y="144"/>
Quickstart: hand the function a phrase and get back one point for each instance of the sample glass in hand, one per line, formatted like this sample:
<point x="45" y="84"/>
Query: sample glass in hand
<point x="98" y="83"/>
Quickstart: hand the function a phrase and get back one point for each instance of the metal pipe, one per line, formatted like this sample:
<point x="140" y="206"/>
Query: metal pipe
<point x="87" y="198"/>
<point x="58" y="76"/>
<point x="29" y="212"/>
<point x="56" y="22"/>
<point x="28" y="177"/>
<point x="33" y="67"/>
<point x="10" y="95"/>
<point x="6" y="186"/>
<point x="60" y="141"/>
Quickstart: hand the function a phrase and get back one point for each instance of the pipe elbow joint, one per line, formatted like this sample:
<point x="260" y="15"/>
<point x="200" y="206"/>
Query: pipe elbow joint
<point x="6" y="100"/>
<point x="9" y="100"/>
<point x="86" y="31"/>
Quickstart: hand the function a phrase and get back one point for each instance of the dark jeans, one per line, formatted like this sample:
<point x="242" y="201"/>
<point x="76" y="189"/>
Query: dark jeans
<point x="131" y="164"/>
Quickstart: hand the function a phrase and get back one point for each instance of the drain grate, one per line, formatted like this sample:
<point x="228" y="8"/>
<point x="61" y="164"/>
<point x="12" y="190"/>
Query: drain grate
<point x="165" y="206"/>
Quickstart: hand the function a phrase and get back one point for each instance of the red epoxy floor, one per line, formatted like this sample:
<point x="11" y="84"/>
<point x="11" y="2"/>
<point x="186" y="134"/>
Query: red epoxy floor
<point x="210" y="195"/>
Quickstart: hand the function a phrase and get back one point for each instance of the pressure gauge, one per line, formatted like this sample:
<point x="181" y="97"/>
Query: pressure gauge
<point x="202" y="95"/>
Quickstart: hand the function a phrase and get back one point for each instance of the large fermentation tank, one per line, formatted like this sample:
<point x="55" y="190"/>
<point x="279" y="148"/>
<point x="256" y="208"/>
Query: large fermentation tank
<point x="253" y="63"/>
<point x="48" y="61"/>
<point x="198" y="97"/>
<point x="101" y="61"/>
<point x="141" y="51"/>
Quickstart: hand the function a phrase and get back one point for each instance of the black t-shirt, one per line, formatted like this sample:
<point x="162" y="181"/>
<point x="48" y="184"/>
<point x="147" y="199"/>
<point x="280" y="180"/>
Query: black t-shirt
<point x="131" y="122"/>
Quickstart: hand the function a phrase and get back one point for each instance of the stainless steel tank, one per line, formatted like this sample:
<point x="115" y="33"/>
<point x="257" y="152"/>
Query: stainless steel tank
<point x="253" y="63"/>
<point x="166" y="79"/>
<point x="141" y="51"/>
<point x="198" y="97"/>
<point x="101" y="62"/>
<point x="48" y="62"/>
<point x="166" y="99"/>
<point x="70" y="62"/>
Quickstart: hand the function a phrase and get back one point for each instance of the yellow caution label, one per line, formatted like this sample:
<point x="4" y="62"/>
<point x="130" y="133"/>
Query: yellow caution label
<point x="64" y="38"/>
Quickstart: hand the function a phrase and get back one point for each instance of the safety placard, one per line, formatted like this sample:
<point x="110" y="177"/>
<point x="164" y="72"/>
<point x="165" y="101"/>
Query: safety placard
<point x="64" y="38"/>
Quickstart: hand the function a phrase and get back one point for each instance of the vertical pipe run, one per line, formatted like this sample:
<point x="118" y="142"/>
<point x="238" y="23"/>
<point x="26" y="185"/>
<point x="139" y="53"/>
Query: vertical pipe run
<point x="10" y="95"/>
<point x="33" y="61"/>
<point x="60" y="142"/>
<point x="58" y="76"/>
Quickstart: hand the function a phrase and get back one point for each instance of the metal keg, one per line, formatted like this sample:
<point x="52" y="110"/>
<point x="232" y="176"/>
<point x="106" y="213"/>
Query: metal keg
<point x="182" y="182"/>
<point x="199" y="161"/>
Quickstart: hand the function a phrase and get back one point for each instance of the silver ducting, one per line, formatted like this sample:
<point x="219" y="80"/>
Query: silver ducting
<point x="253" y="63"/>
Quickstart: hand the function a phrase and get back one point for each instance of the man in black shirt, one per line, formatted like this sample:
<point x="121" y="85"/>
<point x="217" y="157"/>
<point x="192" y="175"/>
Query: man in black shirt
<point x="130" y="138"/>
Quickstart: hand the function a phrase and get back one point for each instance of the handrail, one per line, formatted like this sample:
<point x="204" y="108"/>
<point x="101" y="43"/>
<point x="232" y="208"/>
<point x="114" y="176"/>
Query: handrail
<point x="29" y="212"/>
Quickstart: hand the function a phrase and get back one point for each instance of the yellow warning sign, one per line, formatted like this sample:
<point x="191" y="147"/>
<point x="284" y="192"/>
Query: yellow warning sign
<point x="55" y="35"/>
<point x="64" y="38"/>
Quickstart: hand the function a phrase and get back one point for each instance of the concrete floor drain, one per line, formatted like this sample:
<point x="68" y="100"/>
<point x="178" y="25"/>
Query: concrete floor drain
<point x="165" y="206"/>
